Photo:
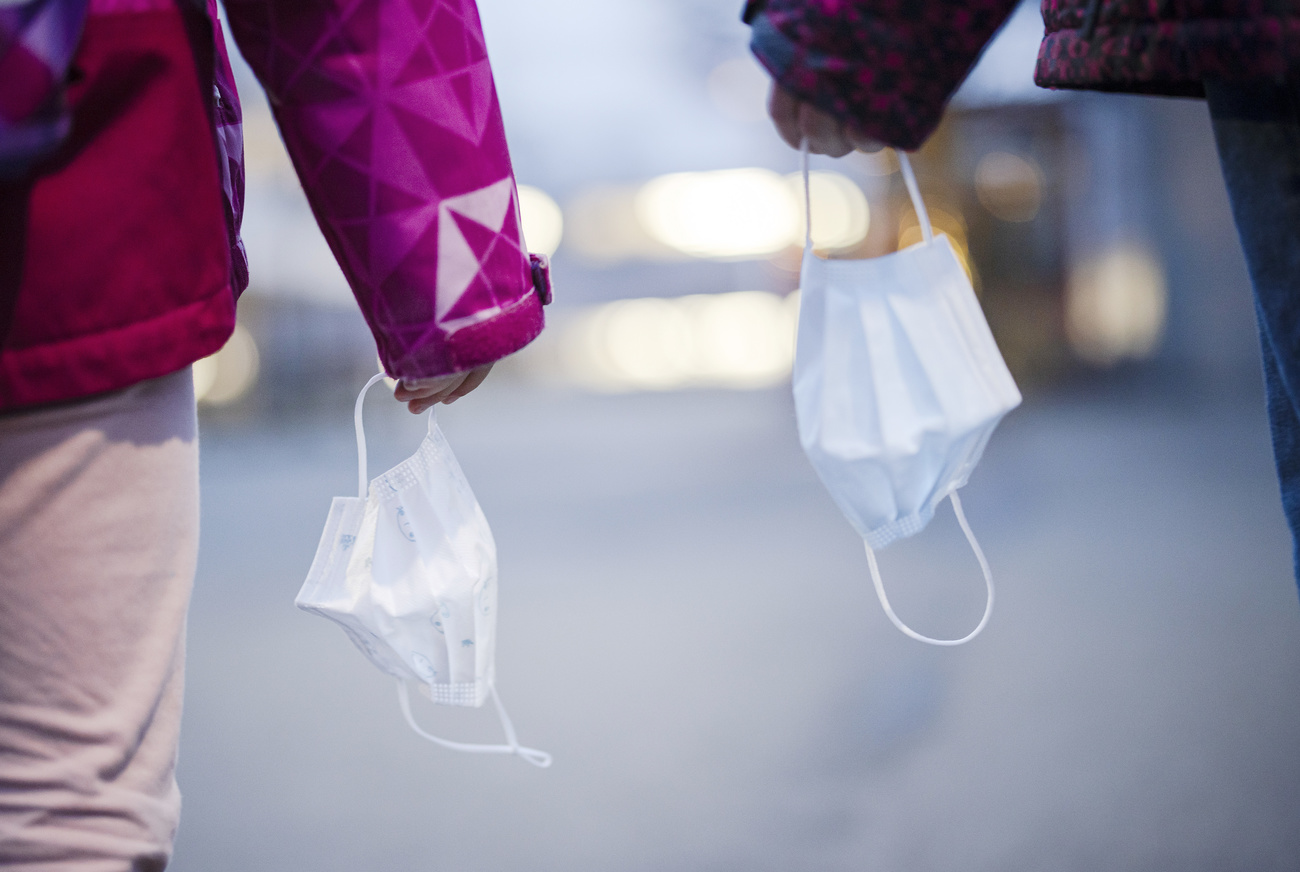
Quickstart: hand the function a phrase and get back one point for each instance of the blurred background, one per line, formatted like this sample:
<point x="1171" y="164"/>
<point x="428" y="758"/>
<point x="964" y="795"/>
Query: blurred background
<point x="686" y="620"/>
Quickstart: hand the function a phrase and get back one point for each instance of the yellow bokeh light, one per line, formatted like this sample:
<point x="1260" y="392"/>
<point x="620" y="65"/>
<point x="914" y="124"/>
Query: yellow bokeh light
<point x="648" y="342"/>
<point x="224" y="377"/>
<point x="742" y="340"/>
<point x="725" y="214"/>
<point x="840" y="213"/>
<point x="1116" y="304"/>
<point x="877" y="163"/>
<point x="941" y="221"/>
<point x="720" y="215"/>
<point x="602" y="226"/>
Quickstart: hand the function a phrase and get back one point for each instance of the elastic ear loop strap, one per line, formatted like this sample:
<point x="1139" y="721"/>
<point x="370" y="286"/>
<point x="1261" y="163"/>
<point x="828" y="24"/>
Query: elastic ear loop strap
<point x="914" y="191"/>
<point x="363" y="483"/>
<point x="540" y="759"/>
<point x="909" y="179"/>
<point x="927" y="233"/>
<point x="532" y="755"/>
<point x="984" y="567"/>
<point x="807" y="198"/>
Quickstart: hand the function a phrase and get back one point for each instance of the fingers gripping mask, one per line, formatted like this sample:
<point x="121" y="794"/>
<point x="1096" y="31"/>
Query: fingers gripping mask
<point x="898" y="385"/>
<point x="408" y="569"/>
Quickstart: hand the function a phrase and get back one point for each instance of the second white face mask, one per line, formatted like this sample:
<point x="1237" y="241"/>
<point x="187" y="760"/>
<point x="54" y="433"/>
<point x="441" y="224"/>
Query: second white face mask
<point x="898" y="385"/>
<point x="408" y="569"/>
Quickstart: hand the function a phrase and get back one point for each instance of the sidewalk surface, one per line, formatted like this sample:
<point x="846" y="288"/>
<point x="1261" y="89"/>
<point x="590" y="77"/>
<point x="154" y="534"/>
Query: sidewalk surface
<point x="687" y="624"/>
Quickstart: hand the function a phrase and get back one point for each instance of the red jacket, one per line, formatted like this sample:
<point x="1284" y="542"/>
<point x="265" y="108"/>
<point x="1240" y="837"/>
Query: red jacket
<point x="114" y="254"/>
<point x="890" y="66"/>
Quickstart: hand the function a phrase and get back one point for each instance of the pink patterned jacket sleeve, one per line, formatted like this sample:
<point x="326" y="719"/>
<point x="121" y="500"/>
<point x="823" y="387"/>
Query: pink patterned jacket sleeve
<point x="390" y="114"/>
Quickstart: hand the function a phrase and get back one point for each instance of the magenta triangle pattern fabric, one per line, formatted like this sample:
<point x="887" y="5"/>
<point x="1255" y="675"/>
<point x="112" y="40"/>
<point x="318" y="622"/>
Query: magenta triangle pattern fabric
<point x="390" y="114"/>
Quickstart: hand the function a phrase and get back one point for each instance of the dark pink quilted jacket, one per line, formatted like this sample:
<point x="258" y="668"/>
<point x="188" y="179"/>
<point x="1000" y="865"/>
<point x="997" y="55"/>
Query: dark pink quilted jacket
<point x="890" y="66"/>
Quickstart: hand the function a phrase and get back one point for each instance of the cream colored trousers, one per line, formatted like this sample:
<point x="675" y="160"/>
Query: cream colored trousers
<point x="98" y="538"/>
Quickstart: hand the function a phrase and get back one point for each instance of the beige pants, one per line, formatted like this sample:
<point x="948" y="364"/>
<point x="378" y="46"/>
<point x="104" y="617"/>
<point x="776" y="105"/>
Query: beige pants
<point x="98" y="540"/>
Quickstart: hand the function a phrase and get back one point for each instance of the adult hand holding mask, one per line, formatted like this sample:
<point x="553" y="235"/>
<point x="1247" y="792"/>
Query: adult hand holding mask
<point x="898" y="385"/>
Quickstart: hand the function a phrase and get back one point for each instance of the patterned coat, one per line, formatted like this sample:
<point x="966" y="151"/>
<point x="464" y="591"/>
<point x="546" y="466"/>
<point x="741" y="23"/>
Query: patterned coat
<point x="121" y="183"/>
<point x="890" y="66"/>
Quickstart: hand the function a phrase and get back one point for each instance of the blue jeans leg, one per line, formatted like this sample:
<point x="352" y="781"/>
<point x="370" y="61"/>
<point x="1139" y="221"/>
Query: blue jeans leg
<point x="1257" y="129"/>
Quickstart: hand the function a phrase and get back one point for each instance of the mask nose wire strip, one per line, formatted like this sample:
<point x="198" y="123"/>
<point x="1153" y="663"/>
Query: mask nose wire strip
<point x="914" y="191"/>
<point x="540" y="759"/>
<point x="363" y="483"/>
<point x="984" y="567"/>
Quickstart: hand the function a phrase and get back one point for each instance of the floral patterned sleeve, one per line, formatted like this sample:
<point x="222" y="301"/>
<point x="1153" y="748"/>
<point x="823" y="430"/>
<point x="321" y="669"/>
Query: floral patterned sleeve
<point x="887" y="66"/>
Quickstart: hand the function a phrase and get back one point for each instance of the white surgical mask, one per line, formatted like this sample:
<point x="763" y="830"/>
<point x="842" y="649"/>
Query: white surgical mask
<point x="898" y="385"/>
<point x="408" y="569"/>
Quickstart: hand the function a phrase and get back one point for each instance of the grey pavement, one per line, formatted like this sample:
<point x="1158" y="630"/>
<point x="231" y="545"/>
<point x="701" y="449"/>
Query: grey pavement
<point x="687" y="624"/>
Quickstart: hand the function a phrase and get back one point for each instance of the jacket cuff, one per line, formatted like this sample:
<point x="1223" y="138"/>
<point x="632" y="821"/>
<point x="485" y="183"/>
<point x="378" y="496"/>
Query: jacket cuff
<point x="804" y="73"/>
<point x="774" y="49"/>
<point x="880" y="67"/>
<point x="498" y="337"/>
<point x="470" y="347"/>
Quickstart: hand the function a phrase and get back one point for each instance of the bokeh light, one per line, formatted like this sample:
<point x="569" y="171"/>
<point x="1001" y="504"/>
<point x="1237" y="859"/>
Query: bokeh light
<point x="732" y="214"/>
<point x="877" y="163"/>
<point x="841" y="215"/>
<point x="601" y="226"/>
<point x="1009" y="186"/>
<point x="950" y="224"/>
<point x="1115" y="305"/>
<point x="222" y="378"/>
<point x="740" y="213"/>
<point x="742" y="340"/>
<point x="543" y="222"/>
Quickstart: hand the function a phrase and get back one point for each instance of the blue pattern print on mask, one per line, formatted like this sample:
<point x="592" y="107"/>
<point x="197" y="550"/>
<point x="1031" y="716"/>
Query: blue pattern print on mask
<point x="424" y="667"/>
<point x="404" y="524"/>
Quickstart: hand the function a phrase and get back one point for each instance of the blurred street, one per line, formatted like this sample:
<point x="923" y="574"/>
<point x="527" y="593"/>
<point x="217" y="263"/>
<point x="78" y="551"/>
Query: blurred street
<point x="688" y="626"/>
<point x="687" y="623"/>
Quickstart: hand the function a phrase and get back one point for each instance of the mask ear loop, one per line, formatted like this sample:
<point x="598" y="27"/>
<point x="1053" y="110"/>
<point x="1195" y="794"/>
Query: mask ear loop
<point x="363" y="483"/>
<point x="540" y="759"/>
<point x="914" y="191"/>
<point x="807" y="199"/>
<point x="909" y="179"/>
<point x="984" y="567"/>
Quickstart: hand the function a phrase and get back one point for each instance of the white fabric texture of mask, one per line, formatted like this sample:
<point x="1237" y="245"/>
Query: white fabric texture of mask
<point x="898" y="385"/>
<point x="408" y="569"/>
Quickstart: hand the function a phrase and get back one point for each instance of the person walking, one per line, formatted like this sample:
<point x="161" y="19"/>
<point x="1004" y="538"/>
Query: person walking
<point x="866" y="73"/>
<point x="121" y="194"/>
